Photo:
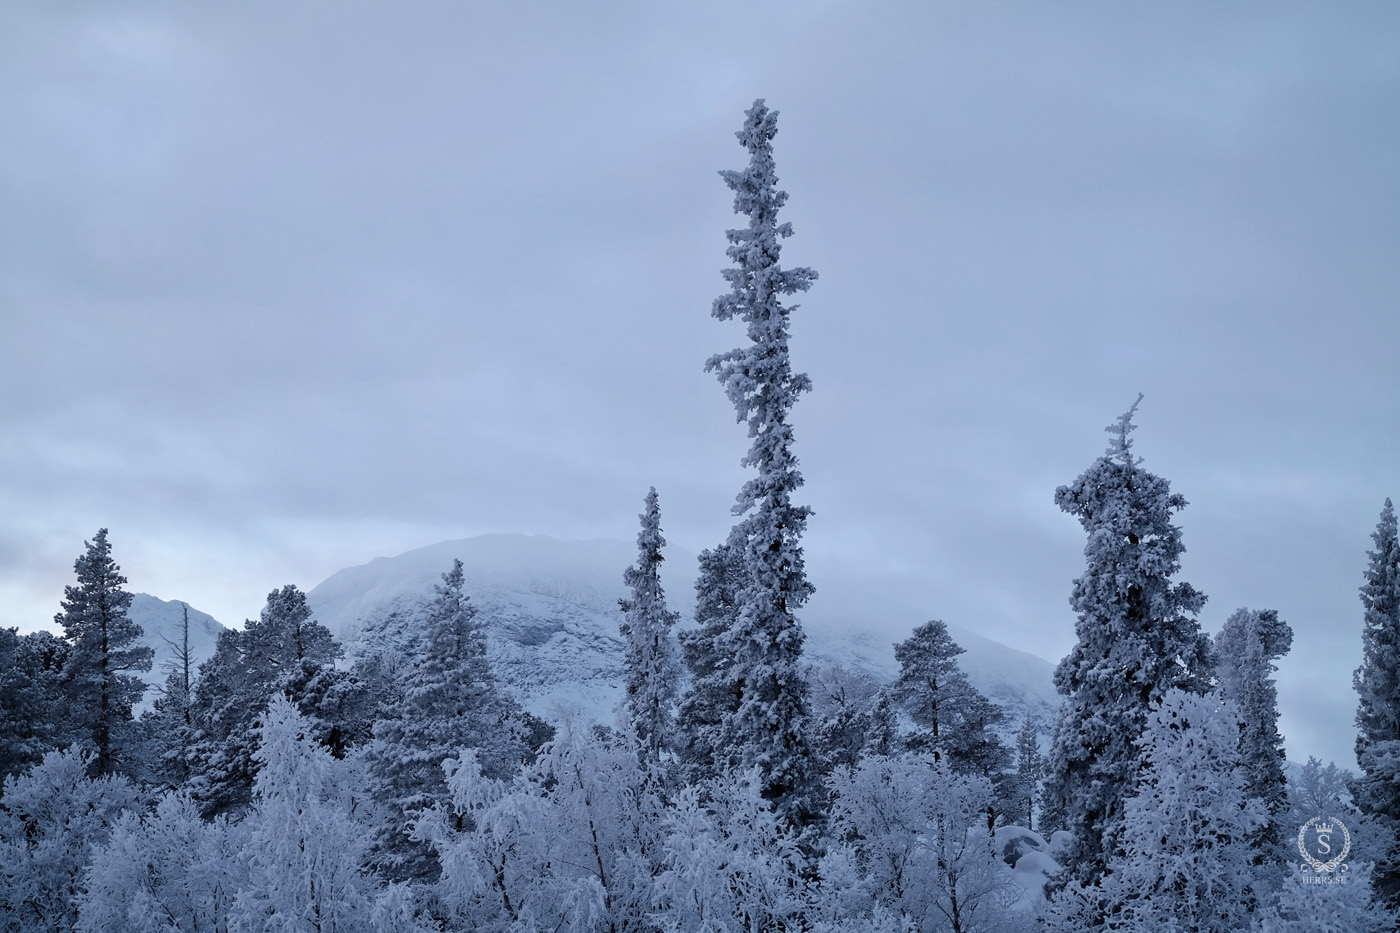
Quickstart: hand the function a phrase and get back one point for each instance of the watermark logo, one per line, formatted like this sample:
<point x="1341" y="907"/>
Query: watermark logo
<point x="1324" y="843"/>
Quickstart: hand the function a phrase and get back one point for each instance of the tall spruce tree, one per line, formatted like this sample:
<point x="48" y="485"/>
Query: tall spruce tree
<point x="99" y="673"/>
<point x="767" y="731"/>
<point x="1030" y="768"/>
<point x="652" y="666"/>
<point x="1137" y="639"/>
<point x="1377" y="681"/>
<point x="1245" y="650"/>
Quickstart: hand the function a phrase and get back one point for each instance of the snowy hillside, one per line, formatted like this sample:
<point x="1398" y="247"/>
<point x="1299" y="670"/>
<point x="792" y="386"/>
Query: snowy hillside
<point x="160" y="623"/>
<point x="551" y="613"/>
<point x="550" y="608"/>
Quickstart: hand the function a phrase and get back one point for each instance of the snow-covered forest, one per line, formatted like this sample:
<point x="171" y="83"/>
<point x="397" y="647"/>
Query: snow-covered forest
<point x="281" y="786"/>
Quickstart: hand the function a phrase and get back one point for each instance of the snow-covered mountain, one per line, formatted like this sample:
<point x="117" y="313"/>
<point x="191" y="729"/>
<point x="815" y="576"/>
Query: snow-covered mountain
<point x="550" y="608"/>
<point x="160" y="623"/>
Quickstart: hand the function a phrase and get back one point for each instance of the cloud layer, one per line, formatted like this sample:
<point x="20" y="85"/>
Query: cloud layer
<point x="286" y="288"/>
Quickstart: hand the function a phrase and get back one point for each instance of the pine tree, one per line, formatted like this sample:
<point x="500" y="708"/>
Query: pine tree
<point x="104" y="653"/>
<point x="1377" y="682"/>
<point x="652" y="665"/>
<point x="449" y="700"/>
<point x="956" y="718"/>
<point x="285" y="635"/>
<point x="767" y="731"/>
<point x="269" y="656"/>
<point x="1245" y="650"/>
<point x="1137" y="638"/>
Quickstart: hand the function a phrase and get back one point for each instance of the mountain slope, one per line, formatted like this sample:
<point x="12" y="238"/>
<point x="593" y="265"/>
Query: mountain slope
<point x="551" y="616"/>
<point x="160" y="622"/>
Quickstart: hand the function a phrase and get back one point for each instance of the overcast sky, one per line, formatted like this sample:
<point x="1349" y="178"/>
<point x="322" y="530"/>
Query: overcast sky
<point x="286" y="287"/>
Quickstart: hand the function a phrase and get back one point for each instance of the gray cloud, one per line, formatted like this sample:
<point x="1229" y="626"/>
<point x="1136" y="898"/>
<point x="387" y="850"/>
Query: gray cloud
<point x="286" y="288"/>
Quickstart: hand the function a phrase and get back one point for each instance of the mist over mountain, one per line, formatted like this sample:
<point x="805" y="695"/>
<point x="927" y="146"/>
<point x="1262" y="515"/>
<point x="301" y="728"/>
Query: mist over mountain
<point x="550" y="608"/>
<point x="551" y="615"/>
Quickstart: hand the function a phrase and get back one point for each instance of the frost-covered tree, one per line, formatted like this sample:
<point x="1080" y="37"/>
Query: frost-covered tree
<point x="930" y="684"/>
<point x="1303" y="906"/>
<point x="99" y="673"/>
<point x="1377" y="682"/>
<point x="1030" y="768"/>
<point x="572" y="844"/>
<point x="1137" y="639"/>
<point x="1185" y="860"/>
<point x="853" y="716"/>
<point x="653" y="668"/>
<point x="1319" y="791"/>
<point x="305" y="846"/>
<point x="52" y="817"/>
<point x="712" y="696"/>
<point x="449" y="699"/>
<point x="956" y="720"/>
<point x="922" y="845"/>
<point x="731" y="863"/>
<point x="767" y="731"/>
<point x="1245" y="649"/>
<point x="227" y="700"/>
<point x="269" y="656"/>
<point x="31" y="701"/>
<point x="165" y="871"/>
<point x="285" y="636"/>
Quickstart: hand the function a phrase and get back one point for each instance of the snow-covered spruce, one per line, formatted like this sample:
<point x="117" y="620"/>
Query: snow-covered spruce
<point x="1030" y="768"/>
<point x="1245" y="649"/>
<point x="651" y="655"/>
<point x="1377" y="682"/>
<point x="31" y="702"/>
<point x="767" y="730"/>
<point x="448" y="699"/>
<point x="710" y="698"/>
<point x="1137" y="639"/>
